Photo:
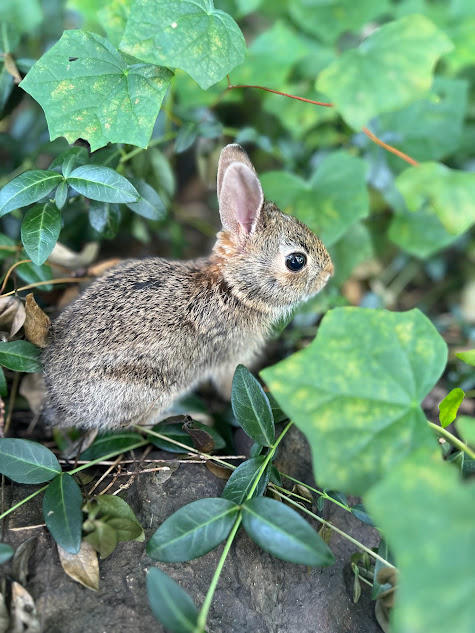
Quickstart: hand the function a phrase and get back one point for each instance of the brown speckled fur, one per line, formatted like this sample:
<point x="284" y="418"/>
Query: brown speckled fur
<point x="150" y="330"/>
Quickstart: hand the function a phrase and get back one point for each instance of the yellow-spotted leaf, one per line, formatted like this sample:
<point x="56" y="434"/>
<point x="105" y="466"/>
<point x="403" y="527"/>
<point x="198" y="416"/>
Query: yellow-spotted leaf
<point x="89" y="90"/>
<point x="356" y="392"/>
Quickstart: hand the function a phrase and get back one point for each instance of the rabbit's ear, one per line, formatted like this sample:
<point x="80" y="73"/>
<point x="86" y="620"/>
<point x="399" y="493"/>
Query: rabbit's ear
<point x="232" y="153"/>
<point x="241" y="199"/>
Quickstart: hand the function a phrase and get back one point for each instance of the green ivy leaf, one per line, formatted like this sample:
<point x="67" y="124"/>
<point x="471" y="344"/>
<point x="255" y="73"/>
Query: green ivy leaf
<point x="27" y="462"/>
<point x="62" y="512"/>
<point x="467" y="357"/>
<point x="390" y="69"/>
<point x="434" y="556"/>
<point x="27" y="188"/>
<point x="355" y="392"/>
<point x="113" y="19"/>
<point x="447" y="193"/>
<point x="150" y="204"/>
<point x="450" y="405"/>
<point x="328" y="20"/>
<point x="6" y="552"/>
<point x="170" y="604"/>
<point x="251" y="407"/>
<point x="117" y="513"/>
<point x="40" y="231"/>
<point x="330" y="202"/>
<point x="25" y="14"/>
<point x="187" y="34"/>
<point x="242" y="479"/>
<point x="431" y="128"/>
<point x="351" y="249"/>
<point x="193" y="531"/>
<point x="281" y="531"/>
<point x="102" y="183"/>
<point x="103" y="537"/>
<point x="88" y="90"/>
<point x="110" y="442"/>
<point x="20" y="356"/>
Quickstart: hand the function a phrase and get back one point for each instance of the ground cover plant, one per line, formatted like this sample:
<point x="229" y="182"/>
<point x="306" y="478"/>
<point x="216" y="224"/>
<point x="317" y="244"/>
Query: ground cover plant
<point x="360" y="118"/>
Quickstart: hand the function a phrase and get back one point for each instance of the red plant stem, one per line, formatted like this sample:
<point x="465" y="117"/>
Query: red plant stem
<point x="368" y="133"/>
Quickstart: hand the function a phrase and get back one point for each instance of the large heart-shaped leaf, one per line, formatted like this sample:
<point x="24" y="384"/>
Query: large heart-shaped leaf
<point x="88" y="90"/>
<point x="434" y="553"/>
<point x="332" y="200"/>
<point x="193" y="531"/>
<point x="447" y="193"/>
<point x="390" y="69"/>
<point x="187" y="34"/>
<point x="27" y="462"/>
<point x="62" y="512"/>
<point x="355" y="392"/>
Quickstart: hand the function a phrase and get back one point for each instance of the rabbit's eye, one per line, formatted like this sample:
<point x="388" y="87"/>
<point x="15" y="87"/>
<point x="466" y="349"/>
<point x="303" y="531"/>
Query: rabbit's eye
<point x="295" y="261"/>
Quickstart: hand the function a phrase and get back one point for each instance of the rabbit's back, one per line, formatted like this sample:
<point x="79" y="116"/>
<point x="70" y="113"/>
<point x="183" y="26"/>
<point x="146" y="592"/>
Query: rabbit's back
<point x="137" y="337"/>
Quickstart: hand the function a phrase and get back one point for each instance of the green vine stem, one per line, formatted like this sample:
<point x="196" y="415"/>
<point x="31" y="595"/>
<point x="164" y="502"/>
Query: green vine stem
<point x="322" y="493"/>
<point x="203" y="616"/>
<point x="452" y="439"/>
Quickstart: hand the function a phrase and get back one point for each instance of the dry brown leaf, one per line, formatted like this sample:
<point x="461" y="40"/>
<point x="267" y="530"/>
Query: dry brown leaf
<point x="21" y="559"/>
<point x="4" y="617"/>
<point x="82" y="567"/>
<point x="32" y="388"/>
<point x="23" y="611"/>
<point x="102" y="267"/>
<point x="12" y="315"/>
<point x="218" y="471"/>
<point x="37" y="323"/>
<point x="64" y="256"/>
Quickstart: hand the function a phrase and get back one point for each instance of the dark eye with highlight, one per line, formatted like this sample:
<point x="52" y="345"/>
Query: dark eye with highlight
<point x="295" y="261"/>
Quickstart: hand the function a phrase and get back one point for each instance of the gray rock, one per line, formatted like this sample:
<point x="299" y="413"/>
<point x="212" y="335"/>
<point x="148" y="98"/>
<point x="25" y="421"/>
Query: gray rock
<point x="256" y="592"/>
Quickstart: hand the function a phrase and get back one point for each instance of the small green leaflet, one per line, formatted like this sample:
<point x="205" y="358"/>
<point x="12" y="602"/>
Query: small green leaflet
<point x="187" y="34"/>
<point x="88" y="90"/>
<point x="449" y="406"/>
<point x="27" y="188"/>
<point x="251" y="407"/>
<point x="193" y="531"/>
<point x="467" y="357"/>
<point x="20" y="356"/>
<point x="40" y="231"/>
<point x="170" y="604"/>
<point x="281" y="531"/>
<point x="62" y="512"/>
<point x="27" y="462"/>
<point x="102" y="183"/>
<point x="390" y="69"/>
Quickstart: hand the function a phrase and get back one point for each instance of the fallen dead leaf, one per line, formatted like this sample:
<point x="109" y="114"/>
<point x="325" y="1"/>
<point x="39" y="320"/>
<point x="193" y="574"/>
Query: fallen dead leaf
<point x="218" y="471"/>
<point x="82" y="567"/>
<point x="23" y="611"/>
<point x="12" y="315"/>
<point x="32" y="388"/>
<point x="37" y="323"/>
<point x="21" y="559"/>
<point x="64" y="256"/>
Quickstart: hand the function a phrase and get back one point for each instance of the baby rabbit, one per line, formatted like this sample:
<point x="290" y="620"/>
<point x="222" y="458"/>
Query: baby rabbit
<point x="150" y="330"/>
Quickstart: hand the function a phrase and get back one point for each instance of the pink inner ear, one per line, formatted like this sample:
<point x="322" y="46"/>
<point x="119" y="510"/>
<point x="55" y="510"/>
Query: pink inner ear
<point x="241" y="198"/>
